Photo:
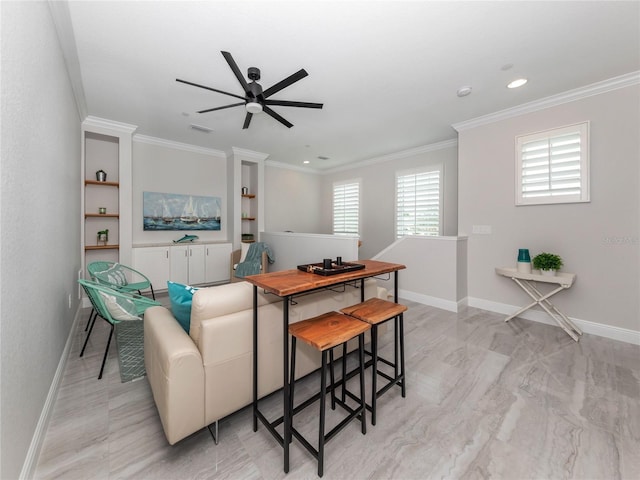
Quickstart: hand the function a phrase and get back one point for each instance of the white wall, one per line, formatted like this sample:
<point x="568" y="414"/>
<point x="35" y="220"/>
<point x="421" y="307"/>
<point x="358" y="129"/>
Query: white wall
<point x="39" y="221"/>
<point x="599" y="241"/>
<point x="377" y="193"/>
<point x="292" y="200"/>
<point x="436" y="269"/>
<point x="159" y="167"/>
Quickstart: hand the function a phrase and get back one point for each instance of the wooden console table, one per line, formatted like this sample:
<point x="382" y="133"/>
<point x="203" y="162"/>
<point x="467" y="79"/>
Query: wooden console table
<point x="525" y="281"/>
<point x="287" y="284"/>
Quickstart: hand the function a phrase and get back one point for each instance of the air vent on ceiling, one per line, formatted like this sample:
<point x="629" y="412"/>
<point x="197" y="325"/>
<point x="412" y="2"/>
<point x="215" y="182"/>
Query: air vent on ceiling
<point x="322" y="157"/>
<point x="201" y="128"/>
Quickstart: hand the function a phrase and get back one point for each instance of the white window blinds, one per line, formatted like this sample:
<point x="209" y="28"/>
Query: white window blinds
<point x="418" y="203"/>
<point x="346" y="207"/>
<point x="552" y="166"/>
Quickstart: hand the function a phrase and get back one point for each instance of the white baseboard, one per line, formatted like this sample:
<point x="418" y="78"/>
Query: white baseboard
<point x="448" y="305"/>
<point x="593" y="328"/>
<point x="31" y="460"/>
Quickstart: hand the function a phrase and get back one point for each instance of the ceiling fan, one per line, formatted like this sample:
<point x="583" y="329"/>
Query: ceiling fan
<point x="255" y="99"/>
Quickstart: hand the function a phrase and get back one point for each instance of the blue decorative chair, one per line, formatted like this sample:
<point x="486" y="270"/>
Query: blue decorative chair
<point x="113" y="306"/>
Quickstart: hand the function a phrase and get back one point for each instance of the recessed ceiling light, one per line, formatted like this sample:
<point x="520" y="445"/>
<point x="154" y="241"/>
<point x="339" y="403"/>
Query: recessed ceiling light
<point x="517" y="83"/>
<point x="306" y="161"/>
<point x="463" y="91"/>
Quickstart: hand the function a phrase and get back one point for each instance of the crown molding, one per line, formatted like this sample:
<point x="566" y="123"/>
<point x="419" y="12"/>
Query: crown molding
<point x="249" y="154"/>
<point x="597" y="88"/>
<point x="297" y="168"/>
<point x="412" y="152"/>
<point x="178" y="146"/>
<point x="98" y="122"/>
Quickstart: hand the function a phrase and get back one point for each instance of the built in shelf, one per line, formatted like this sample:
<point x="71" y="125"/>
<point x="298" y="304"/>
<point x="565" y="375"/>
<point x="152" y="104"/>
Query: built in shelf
<point x="102" y="215"/>
<point x="107" y="184"/>
<point x="102" y="247"/>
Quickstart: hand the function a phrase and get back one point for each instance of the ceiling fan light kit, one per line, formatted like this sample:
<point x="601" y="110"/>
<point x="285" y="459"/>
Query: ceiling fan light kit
<point x="256" y="100"/>
<point x="253" y="107"/>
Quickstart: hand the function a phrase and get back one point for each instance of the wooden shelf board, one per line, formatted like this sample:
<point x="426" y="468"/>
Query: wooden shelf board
<point x="101" y="215"/>
<point x="102" y="247"/>
<point x="248" y="195"/>
<point x="249" y="218"/>
<point x="95" y="182"/>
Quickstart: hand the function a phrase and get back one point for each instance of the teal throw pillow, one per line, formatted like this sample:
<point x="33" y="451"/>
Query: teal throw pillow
<point x="181" y="297"/>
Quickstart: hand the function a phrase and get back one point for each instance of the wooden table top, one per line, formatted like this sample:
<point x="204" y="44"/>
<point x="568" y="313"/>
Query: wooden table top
<point x="291" y="282"/>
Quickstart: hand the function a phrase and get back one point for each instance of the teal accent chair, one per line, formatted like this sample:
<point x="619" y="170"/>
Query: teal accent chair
<point x="113" y="306"/>
<point x="119" y="277"/>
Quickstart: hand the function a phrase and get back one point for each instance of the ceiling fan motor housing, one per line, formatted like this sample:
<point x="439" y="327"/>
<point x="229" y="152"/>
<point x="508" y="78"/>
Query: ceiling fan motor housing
<point x="253" y="73"/>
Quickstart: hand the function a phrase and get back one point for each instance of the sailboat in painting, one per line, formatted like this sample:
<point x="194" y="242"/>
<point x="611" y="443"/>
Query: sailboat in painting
<point x="161" y="211"/>
<point x="189" y="213"/>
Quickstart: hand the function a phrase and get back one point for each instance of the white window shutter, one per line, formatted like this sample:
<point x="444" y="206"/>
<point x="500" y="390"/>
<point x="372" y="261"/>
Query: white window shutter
<point x="552" y="166"/>
<point x="418" y="203"/>
<point x="346" y="206"/>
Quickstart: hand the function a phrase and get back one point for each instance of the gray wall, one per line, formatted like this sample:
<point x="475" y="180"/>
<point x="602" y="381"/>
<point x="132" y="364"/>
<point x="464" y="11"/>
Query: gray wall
<point x="292" y="200"/>
<point x="39" y="221"/>
<point x="377" y="194"/>
<point x="599" y="241"/>
<point x="166" y="169"/>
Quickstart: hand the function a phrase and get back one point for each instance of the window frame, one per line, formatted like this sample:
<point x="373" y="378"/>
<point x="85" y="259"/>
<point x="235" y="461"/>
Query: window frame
<point x="583" y="129"/>
<point x="417" y="171"/>
<point x="343" y="183"/>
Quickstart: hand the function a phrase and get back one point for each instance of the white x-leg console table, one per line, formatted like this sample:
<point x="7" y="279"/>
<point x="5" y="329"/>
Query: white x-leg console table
<point x="526" y="282"/>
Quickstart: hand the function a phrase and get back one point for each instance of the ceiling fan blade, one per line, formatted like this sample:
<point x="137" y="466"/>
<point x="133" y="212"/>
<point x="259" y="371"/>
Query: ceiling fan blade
<point x="220" y="108"/>
<point x="299" y="75"/>
<point x="236" y="71"/>
<point x="286" y="103"/>
<point x="268" y="111"/>
<point x="209" y="88"/>
<point x="247" y="120"/>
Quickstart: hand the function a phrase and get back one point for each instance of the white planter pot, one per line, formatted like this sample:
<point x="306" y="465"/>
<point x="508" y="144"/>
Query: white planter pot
<point x="548" y="273"/>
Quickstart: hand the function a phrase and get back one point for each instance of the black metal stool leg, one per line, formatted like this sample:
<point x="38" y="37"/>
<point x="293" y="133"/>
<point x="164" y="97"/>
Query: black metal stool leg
<point x="374" y="375"/>
<point x="402" y="371"/>
<point x="292" y="382"/>
<point x="323" y="388"/>
<point x="344" y="371"/>
<point x="363" y="403"/>
<point x="333" y="380"/>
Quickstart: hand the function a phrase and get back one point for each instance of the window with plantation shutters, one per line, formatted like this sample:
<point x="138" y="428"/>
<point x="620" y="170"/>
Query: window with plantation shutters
<point x="553" y="166"/>
<point x="346" y="208"/>
<point x="419" y="202"/>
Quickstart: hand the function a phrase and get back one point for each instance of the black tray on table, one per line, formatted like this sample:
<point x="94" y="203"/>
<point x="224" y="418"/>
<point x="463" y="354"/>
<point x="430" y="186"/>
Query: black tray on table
<point x="335" y="269"/>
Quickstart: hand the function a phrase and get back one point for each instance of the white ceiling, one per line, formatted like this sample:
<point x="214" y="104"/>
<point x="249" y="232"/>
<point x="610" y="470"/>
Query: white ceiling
<point x="386" y="71"/>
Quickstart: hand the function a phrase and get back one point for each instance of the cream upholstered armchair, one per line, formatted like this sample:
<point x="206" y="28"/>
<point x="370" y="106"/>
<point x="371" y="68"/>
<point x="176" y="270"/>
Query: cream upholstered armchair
<point x="238" y="256"/>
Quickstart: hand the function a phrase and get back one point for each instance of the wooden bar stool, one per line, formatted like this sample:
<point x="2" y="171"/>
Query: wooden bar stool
<point x="324" y="333"/>
<point x="377" y="311"/>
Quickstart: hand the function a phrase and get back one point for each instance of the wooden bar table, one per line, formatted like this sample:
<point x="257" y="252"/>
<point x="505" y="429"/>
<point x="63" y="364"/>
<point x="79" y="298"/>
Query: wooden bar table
<point x="287" y="284"/>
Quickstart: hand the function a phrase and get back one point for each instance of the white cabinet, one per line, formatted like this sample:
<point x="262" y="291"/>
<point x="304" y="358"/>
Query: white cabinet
<point x="217" y="258"/>
<point x="191" y="264"/>
<point x="154" y="263"/>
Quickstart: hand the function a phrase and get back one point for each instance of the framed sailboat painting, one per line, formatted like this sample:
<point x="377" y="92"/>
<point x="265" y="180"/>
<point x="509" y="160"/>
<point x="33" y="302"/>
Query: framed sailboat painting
<point x="173" y="211"/>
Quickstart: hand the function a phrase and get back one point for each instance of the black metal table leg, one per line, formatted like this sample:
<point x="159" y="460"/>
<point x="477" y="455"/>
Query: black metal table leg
<point x="255" y="358"/>
<point x="285" y="360"/>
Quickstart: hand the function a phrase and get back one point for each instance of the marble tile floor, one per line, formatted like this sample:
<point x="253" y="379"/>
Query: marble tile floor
<point x="485" y="399"/>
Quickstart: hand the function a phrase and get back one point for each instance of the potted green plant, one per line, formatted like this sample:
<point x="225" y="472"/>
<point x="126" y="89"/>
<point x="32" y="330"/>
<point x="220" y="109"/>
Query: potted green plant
<point x="547" y="263"/>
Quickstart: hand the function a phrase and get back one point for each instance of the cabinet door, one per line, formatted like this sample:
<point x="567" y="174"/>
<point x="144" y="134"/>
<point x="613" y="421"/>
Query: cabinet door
<point x="196" y="264"/>
<point x="153" y="262"/>
<point x="179" y="264"/>
<point x="217" y="258"/>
